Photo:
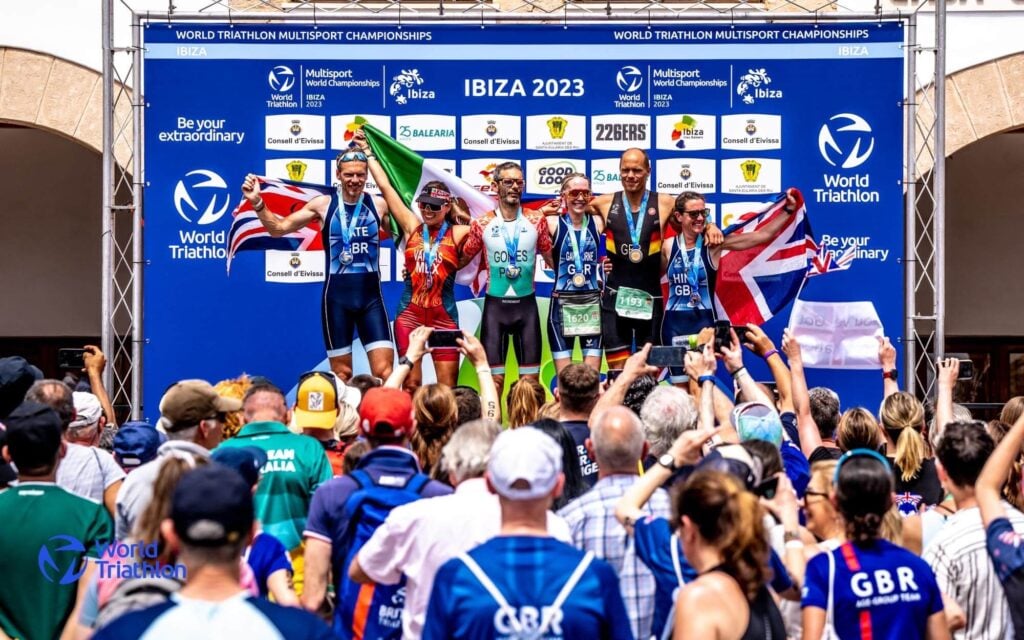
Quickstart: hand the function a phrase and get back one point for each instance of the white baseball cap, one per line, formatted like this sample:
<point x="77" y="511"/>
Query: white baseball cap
<point x="87" y="409"/>
<point x="524" y="455"/>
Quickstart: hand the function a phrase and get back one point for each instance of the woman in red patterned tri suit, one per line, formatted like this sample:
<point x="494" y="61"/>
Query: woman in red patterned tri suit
<point x="432" y="255"/>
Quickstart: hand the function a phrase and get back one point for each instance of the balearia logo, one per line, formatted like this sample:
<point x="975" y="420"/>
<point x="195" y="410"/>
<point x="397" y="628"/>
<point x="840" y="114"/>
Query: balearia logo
<point x="629" y="79"/>
<point x="753" y="86"/>
<point x="281" y="79"/>
<point x="207" y="188"/>
<point x="846" y="141"/>
<point x="405" y="87"/>
<point x="855" y="142"/>
<point x="426" y="132"/>
<point x="60" y="560"/>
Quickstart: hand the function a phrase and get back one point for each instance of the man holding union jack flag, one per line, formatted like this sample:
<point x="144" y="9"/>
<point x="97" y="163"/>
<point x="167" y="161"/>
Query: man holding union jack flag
<point x="350" y="221"/>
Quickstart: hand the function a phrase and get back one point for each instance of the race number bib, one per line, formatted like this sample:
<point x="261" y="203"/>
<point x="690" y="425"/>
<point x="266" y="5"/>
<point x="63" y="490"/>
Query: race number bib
<point x="634" y="304"/>
<point x="581" y="319"/>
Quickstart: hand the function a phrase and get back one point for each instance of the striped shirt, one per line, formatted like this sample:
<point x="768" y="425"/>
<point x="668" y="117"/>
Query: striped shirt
<point x="591" y="519"/>
<point x="88" y="471"/>
<point x="964" y="571"/>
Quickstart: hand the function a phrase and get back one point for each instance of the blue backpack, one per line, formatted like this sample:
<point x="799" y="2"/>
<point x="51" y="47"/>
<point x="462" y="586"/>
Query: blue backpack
<point x="372" y="611"/>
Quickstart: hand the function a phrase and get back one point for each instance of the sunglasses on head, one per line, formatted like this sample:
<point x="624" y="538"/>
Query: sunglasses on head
<point x="349" y="156"/>
<point x="329" y="377"/>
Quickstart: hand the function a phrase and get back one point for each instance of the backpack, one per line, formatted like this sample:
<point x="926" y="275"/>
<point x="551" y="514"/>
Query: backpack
<point x="372" y="611"/>
<point x="135" y="594"/>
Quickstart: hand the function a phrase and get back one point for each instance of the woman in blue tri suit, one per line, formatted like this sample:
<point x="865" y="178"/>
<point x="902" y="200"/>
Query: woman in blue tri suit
<point x="869" y="588"/>
<point x="575" y="310"/>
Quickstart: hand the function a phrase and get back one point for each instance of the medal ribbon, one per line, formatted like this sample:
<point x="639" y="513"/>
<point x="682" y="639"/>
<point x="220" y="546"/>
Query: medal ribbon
<point x="347" y="226"/>
<point x="690" y="268"/>
<point x="512" y="244"/>
<point x="635" y="226"/>
<point x="430" y="250"/>
<point x="577" y="255"/>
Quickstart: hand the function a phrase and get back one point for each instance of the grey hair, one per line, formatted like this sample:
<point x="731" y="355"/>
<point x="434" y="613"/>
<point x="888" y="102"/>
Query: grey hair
<point x="466" y="453"/>
<point x="619" y="449"/>
<point x="666" y="413"/>
<point x="960" y="414"/>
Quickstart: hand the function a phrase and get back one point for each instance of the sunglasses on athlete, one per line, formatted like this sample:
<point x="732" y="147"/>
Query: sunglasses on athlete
<point x="510" y="182"/>
<point x="431" y="207"/>
<point x="577" y="193"/>
<point x="699" y="213"/>
<point x="349" y="156"/>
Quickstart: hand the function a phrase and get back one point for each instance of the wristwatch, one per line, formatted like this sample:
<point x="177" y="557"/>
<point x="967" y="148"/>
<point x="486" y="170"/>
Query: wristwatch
<point x="406" y="361"/>
<point x="668" y="461"/>
<point x="892" y="374"/>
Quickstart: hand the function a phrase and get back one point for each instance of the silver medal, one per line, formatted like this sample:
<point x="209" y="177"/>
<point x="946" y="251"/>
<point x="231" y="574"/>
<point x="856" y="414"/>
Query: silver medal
<point x="512" y="271"/>
<point x="346" y="257"/>
<point x="578" y="280"/>
<point x="695" y="300"/>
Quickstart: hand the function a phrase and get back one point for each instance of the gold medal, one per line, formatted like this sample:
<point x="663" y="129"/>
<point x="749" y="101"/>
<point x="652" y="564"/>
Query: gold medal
<point x="636" y="255"/>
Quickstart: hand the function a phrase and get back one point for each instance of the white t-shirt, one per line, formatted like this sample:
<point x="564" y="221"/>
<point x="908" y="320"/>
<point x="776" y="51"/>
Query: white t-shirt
<point x="417" y="538"/>
<point x="88" y="471"/>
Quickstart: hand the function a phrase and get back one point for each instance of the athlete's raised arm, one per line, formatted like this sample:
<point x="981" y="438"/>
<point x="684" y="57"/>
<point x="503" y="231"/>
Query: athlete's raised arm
<point x="281" y="225"/>
<point x="394" y="205"/>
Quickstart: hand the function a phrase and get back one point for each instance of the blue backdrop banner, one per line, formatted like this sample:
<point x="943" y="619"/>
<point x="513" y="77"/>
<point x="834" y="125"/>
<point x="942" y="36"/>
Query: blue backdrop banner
<point x="737" y="112"/>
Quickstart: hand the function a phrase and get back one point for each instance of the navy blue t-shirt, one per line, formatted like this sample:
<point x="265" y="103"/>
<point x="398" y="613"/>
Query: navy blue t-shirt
<point x="654" y="540"/>
<point x="579" y="431"/>
<point x="529" y="571"/>
<point x="889" y="587"/>
<point x="266" y="556"/>
<point x="1006" y="547"/>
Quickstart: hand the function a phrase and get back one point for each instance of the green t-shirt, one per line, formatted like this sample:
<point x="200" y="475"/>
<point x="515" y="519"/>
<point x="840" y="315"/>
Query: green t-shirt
<point x="34" y="605"/>
<point x="296" y="466"/>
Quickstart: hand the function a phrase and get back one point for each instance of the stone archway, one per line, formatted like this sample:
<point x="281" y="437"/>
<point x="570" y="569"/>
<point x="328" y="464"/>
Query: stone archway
<point x="980" y="101"/>
<point x="45" y="92"/>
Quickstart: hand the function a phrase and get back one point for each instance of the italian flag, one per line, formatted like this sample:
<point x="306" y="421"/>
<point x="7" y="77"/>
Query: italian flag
<point x="408" y="172"/>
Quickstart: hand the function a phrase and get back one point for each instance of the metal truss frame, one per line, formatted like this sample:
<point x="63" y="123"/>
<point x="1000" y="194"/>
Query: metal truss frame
<point x="123" y="178"/>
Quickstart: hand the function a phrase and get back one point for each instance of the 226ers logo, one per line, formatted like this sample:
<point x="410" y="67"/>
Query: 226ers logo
<point x="621" y="132"/>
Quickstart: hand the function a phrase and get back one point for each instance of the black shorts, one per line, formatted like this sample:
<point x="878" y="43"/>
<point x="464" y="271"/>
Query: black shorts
<point x="623" y="336"/>
<point x="353" y="302"/>
<point x="514" y="319"/>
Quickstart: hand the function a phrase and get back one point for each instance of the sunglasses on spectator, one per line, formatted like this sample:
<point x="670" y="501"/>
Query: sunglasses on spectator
<point x="578" y="193"/>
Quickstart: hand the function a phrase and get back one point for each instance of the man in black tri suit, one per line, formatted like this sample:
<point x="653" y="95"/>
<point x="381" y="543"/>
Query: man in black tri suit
<point x="632" y="304"/>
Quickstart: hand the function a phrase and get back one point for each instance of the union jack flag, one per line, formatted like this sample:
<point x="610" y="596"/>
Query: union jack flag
<point x="827" y="260"/>
<point x="754" y="284"/>
<point x="283" y="198"/>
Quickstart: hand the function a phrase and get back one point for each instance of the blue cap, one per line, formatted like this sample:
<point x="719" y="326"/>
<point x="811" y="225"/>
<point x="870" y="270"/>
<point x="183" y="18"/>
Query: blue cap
<point x="247" y="461"/>
<point x="212" y="506"/>
<point x="135" y="444"/>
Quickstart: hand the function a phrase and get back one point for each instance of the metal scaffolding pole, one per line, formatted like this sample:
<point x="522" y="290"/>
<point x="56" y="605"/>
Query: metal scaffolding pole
<point x="910" y="213"/>
<point x="107" y="236"/>
<point x="138" y="182"/>
<point x="939" y="181"/>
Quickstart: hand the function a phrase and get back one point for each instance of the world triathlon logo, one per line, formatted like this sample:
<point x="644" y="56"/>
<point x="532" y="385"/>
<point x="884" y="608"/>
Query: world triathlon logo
<point x="281" y="78"/>
<point x="207" y="188"/>
<point x="60" y="559"/>
<point x="846" y="140"/>
<point x="629" y="79"/>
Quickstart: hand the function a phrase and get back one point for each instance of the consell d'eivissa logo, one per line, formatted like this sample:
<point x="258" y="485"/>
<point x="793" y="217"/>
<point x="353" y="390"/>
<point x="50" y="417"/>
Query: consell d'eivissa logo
<point x="58" y="560"/>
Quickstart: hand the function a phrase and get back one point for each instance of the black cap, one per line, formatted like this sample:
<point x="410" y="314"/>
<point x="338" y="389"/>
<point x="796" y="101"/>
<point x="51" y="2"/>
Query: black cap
<point x="16" y="376"/>
<point x="247" y="461"/>
<point x="33" y="435"/>
<point x="434" y="195"/>
<point x="212" y="506"/>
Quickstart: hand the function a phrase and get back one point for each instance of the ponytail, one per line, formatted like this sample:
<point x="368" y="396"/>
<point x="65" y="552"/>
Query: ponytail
<point x="730" y="519"/>
<point x="910" y="452"/>
<point x="525" y="399"/>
